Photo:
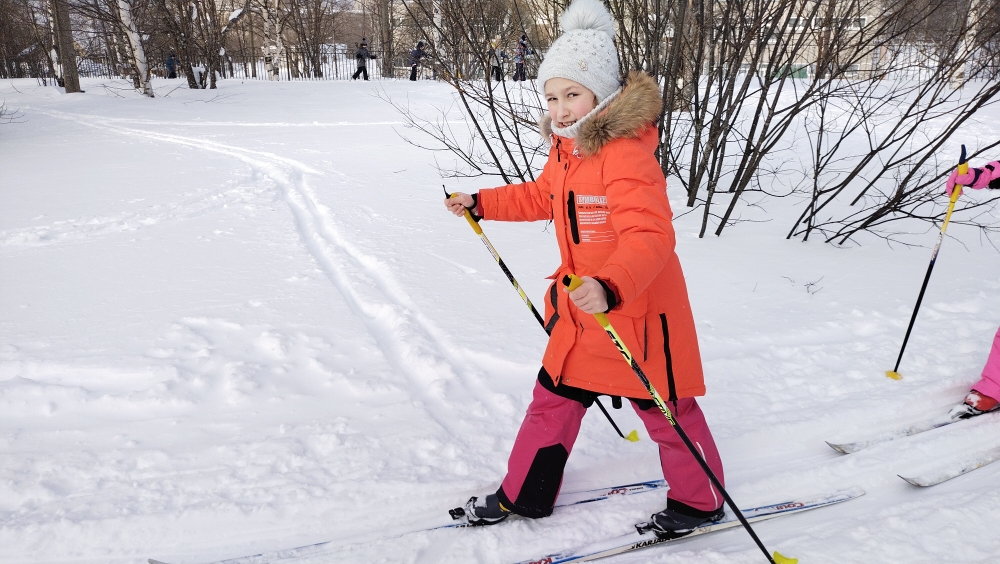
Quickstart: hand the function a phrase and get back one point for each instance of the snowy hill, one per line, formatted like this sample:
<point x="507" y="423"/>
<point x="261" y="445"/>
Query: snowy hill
<point x="239" y="321"/>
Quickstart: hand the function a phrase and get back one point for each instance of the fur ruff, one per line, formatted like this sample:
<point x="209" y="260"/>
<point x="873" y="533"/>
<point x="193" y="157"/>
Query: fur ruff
<point x="631" y="112"/>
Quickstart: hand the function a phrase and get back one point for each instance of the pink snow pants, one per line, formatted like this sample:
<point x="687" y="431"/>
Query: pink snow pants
<point x="990" y="383"/>
<point x="550" y="427"/>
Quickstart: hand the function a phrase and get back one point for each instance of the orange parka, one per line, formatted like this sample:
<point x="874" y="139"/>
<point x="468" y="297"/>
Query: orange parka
<point x="606" y="196"/>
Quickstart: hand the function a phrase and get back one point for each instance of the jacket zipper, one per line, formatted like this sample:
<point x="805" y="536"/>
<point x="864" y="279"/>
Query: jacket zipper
<point x="571" y="209"/>
<point x="645" y="342"/>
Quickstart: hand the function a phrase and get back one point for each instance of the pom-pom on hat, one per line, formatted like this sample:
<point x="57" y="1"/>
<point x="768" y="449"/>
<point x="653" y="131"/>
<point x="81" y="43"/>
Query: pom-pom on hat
<point x="585" y="52"/>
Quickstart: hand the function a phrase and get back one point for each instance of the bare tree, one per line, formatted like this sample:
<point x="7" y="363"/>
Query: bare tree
<point x="63" y="34"/>
<point x="742" y="80"/>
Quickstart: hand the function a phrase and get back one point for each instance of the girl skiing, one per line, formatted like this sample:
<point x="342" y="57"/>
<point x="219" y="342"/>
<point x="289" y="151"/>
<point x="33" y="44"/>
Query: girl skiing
<point x="605" y="193"/>
<point x="984" y="394"/>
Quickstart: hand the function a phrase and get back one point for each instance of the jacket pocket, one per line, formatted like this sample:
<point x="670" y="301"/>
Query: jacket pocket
<point x="554" y="304"/>
<point x="571" y="212"/>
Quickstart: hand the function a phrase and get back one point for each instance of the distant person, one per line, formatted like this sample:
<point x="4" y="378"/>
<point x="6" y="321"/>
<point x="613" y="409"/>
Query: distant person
<point x="172" y="66"/>
<point x="415" y="56"/>
<point x="984" y="394"/>
<point x="520" y="54"/>
<point x="496" y="65"/>
<point x="362" y="55"/>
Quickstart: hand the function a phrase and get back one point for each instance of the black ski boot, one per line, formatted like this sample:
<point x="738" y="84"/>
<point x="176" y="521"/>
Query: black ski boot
<point x="672" y="523"/>
<point x="486" y="511"/>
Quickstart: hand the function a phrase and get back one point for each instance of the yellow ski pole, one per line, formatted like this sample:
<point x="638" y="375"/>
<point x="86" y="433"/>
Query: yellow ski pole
<point x="572" y="282"/>
<point x="963" y="168"/>
<point x="633" y="436"/>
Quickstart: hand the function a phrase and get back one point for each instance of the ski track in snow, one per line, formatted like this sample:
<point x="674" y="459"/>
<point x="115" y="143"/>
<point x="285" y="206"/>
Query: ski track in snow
<point x="87" y="228"/>
<point x="413" y="344"/>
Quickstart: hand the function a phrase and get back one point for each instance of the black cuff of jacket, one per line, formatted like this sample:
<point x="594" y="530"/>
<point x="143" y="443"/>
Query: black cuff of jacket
<point x="474" y="208"/>
<point x="611" y="295"/>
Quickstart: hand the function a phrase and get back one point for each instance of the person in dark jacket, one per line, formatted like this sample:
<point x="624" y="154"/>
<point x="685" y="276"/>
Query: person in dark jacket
<point x="415" y="56"/>
<point x="172" y="66"/>
<point x="520" y="54"/>
<point x="362" y="55"/>
<point x="496" y="63"/>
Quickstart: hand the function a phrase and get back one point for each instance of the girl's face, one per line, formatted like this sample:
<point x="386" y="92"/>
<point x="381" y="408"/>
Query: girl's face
<point x="568" y="101"/>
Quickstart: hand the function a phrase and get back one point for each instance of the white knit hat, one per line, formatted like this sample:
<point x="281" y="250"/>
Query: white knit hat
<point x="585" y="52"/>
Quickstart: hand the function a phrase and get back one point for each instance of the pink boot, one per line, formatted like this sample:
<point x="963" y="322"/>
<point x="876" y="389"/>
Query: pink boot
<point x="985" y="393"/>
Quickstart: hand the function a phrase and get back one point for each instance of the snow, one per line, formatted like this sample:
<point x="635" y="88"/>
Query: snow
<point x="239" y="321"/>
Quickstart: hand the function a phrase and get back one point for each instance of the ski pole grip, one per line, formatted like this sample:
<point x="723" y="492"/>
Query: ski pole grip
<point x="468" y="216"/>
<point x="572" y="282"/>
<point x="963" y="168"/>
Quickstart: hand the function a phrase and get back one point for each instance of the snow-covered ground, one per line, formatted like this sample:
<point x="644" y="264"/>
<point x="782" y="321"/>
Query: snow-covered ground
<point x="238" y="321"/>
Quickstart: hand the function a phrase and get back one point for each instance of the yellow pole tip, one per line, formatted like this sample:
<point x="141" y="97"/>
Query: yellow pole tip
<point x="893" y="375"/>
<point x="779" y="559"/>
<point x="633" y="436"/>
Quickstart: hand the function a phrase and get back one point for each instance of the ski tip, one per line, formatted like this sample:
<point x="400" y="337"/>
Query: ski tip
<point x="633" y="436"/>
<point x="853" y="492"/>
<point x="914" y="481"/>
<point x="152" y="561"/>
<point x="779" y="559"/>
<point x="842" y="449"/>
<point x="893" y="374"/>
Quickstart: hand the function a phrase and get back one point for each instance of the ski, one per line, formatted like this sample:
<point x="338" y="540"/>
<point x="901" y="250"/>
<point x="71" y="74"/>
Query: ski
<point x="909" y="431"/>
<point x="457" y="514"/>
<point x="922" y="427"/>
<point x="642" y="538"/>
<point x="954" y="470"/>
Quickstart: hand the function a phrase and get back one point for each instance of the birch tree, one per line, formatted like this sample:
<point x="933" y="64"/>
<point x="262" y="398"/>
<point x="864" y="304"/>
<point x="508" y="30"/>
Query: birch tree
<point x="138" y="55"/>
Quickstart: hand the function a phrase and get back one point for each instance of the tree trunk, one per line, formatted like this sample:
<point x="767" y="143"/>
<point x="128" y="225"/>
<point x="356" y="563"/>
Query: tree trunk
<point x="385" y="32"/>
<point x="65" y="46"/>
<point x="274" y="47"/>
<point x="137" y="52"/>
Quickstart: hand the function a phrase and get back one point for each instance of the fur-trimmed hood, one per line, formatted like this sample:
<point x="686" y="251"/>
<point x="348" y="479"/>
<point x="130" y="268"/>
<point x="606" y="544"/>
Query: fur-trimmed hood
<point x="634" y="109"/>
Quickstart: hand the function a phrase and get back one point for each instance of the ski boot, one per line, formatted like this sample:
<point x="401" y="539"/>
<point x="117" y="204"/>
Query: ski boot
<point x="672" y="524"/>
<point x="479" y="512"/>
<point x="975" y="404"/>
